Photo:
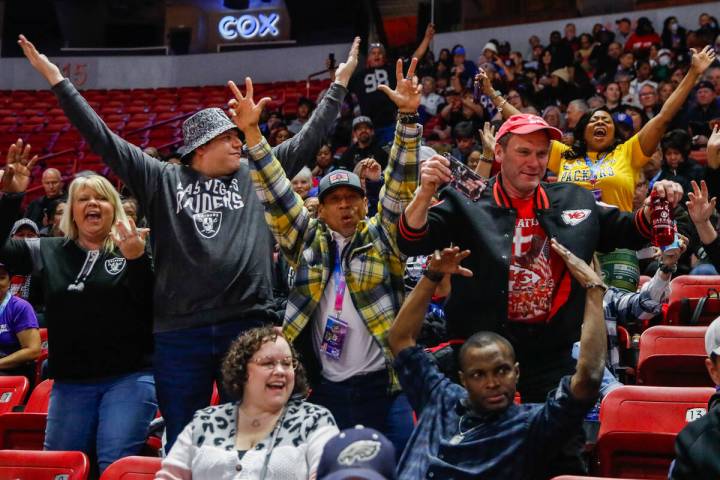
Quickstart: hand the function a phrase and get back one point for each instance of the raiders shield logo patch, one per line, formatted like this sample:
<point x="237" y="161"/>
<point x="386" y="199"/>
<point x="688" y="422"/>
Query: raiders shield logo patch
<point x="208" y="223"/>
<point x="113" y="266"/>
<point x="573" y="217"/>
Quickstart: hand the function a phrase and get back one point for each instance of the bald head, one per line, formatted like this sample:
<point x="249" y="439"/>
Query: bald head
<point x="52" y="182"/>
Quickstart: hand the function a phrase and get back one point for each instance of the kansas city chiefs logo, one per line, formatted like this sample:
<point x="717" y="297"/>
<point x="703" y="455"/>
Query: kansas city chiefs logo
<point x="208" y="223"/>
<point x="573" y="217"/>
<point x="113" y="266"/>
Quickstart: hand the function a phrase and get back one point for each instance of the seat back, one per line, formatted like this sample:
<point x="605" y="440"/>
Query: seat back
<point x="40" y="397"/>
<point x="692" y="286"/>
<point x="12" y="392"/>
<point x="33" y="465"/>
<point x="132" y="468"/>
<point x="673" y="356"/>
<point x="638" y="426"/>
<point x="22" y="431"/>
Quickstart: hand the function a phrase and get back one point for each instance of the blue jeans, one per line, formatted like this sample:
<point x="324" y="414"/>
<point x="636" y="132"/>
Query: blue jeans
<point x="109" y="417"/>
<point x="186" y="363"/>
<point x="364" y="400"/>
<point x="704" y="269"/>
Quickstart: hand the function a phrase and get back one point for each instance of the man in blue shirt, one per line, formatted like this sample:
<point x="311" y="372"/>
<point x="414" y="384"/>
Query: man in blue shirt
<point x="477" y="431"/>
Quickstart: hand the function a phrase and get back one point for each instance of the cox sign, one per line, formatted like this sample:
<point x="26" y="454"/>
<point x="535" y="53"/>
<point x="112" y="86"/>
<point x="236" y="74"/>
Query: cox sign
<point x="249" y="26"/>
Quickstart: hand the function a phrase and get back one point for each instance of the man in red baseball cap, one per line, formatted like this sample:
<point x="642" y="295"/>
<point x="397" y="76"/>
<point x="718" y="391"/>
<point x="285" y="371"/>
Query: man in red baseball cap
<point x="520" y="288"/>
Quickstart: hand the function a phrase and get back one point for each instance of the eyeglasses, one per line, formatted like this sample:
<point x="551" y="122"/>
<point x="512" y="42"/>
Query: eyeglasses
<point x="512" y="97"/>
<point x="270" y="364"/>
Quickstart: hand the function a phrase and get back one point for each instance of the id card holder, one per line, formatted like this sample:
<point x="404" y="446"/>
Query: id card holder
<point x="597" y="193"/>
<point x="334" y="338"/>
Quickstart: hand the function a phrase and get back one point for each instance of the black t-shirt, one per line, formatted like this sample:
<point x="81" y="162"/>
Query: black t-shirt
<point x="354" y="154"/>
<point x="373" y="102"/>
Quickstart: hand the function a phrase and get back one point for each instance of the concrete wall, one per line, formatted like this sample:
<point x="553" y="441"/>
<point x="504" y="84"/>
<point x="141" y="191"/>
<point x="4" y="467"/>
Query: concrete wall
<point x="293" y="63"/>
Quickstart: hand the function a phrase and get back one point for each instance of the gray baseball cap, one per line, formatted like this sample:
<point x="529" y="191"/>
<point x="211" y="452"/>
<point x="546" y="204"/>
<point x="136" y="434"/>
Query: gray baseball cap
<point x="24" y="222"/>
<point x="339" y="178"/>
<point x="360" y="120"/>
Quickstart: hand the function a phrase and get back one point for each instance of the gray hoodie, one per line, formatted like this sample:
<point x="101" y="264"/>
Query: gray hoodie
<point x="211" y="246"/>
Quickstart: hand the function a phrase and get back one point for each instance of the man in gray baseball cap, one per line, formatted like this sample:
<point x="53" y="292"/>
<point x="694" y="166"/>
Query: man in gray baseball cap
<point x="696" y="446"/>
<point x="211" y="247"/>
<point x="365" y="145"/>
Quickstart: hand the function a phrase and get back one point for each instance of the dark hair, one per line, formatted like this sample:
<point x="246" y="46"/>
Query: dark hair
<point x="713" y="357"/>
<point x="679" y="140"/>
<point x="483" y="339"/>
<point x="235" y="363"/>
<point x="579" y="146"/>
<point x="644" y="26"/>
<point x="464" y="130"/>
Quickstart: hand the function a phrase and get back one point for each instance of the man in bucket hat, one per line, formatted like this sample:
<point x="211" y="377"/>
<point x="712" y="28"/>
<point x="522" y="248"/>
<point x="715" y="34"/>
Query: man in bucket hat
<point x="211" y="247"/>
<point x="348" y="270"/>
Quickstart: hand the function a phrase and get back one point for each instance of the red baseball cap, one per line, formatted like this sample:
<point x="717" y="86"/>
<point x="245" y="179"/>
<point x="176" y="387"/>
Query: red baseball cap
<point x="525" y="123"/>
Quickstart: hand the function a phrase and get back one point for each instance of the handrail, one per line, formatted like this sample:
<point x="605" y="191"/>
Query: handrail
<point x="182" y="116"/>
<point x="310" y="77"/>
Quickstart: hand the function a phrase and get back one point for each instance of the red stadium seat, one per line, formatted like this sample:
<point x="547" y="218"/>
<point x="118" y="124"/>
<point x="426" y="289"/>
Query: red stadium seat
<point x="22" y="430"/>
<point x="12" y="392"/>
<point x="39" y="398"/>
<point x="638" y="426"/>
<point x="692" y="287"/>
<point x="673" y="356"/>
<point x="132" y="468"/>
<point x="32" y="465"/>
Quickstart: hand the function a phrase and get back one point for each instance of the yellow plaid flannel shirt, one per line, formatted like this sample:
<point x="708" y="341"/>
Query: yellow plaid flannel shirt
<point x="372" y="261"/>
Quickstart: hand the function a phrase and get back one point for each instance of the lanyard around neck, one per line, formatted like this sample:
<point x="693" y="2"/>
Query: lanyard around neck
<point x="5" y="301"/>
<point x="595" y="166"/>
<point x="339" y="280"/>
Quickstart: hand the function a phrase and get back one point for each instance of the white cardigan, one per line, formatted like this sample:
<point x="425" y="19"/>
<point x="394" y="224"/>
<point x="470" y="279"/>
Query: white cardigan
<point x="206" y="447"/>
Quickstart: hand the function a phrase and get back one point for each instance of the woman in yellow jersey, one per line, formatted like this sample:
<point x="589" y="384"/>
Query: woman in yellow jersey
<point x="598" y="160"/>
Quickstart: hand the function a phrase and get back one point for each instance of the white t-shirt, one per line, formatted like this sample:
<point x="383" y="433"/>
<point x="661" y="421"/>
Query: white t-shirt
<point x="431" y="102"/>
<point x="361" y="353"/>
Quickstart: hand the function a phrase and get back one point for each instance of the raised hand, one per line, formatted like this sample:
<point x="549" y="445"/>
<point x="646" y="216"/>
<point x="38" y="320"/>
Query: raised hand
<point x="581" y="271"/>
<point x="484" y="81"/>
<point x="488" y="139"/>
<point x="345" y="70"/>
<point x="429" y="32"/>
<point x="17" y="173"/>
<point x="244" y="112"/>
<point x="703" y="59"/>
<point x="448" y="261"/>
<point x="130" y="241"/>
<point x="368" y="169"/>
<point x="40" y="62"/>
<point x="407" y="92"/>
<point x="713" y="147"/>
<point x="700" y="207"/>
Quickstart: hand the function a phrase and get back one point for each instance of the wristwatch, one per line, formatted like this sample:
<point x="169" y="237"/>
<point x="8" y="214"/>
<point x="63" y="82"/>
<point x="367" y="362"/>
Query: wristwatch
<point x="408" y="118"/>
<point x="485" y="159"/>
<point x="433" y="276"/>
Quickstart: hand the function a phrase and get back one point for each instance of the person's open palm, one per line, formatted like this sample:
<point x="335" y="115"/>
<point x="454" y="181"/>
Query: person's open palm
<point x="407" y="92"/>
<point x="18" y="171"/>
<point x="244" y="112"/>
<point x="703" y="59"/>
<point x="345" y="70"/>
<point x="448" y="262"/>
<point x="40" y="62"/>
<point x="700" y="206"/>
<point x="130" y="241"/>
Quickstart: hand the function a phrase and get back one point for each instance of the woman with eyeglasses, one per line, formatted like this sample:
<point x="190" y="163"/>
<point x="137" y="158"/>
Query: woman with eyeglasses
<point x="268" y="432"/>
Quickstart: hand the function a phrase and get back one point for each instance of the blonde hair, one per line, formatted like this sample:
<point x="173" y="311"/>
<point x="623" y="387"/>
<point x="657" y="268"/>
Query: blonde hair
<point x="102" y="187"/>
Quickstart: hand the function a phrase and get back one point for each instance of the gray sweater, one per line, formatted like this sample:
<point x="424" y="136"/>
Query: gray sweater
<point x="211" y="246"/>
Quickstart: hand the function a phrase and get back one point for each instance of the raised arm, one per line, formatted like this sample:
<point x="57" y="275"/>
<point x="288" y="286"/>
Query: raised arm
<point x="300" y="150"/>
<point x="401" y="174"/>
<point x="503" y="106"/>
<point x="285" y="212"/>
<point x="14" y="180"/>
<point x="138" y="171"/>
<point x="649" y="136"/>
<point x="409" y="320"/>
<point x="427" y="38"/>
<point x="585" y="383"/>
<point x="713" y="148"/>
